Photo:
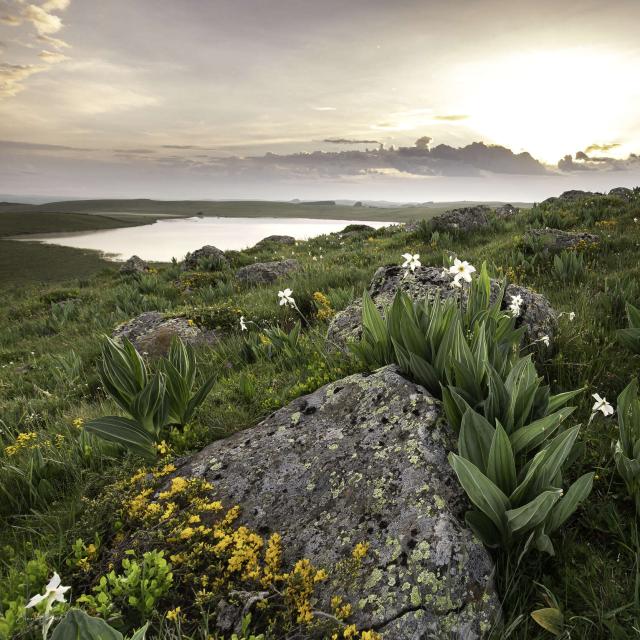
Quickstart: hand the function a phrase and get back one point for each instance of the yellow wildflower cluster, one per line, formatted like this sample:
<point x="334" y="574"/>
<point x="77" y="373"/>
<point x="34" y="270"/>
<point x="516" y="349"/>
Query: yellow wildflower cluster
<point x="24" y="441"/>
<point x="323" y="304"/>
<point x="215" y="555"/>
<point x="78" y="423"/>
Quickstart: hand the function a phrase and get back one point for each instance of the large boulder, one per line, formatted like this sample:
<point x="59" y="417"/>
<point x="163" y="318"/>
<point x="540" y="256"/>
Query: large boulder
<point x="555" y="240"/>
<point x="622" y="192"/>
<point x="276" y="240"/>
<point x="134" y="265"/>
<point x="536" y="314"/>
<point x="356" y="230"/>
<point x="506" y="211"/>
<point x="208" y="253"/>
<point x="464" y="219"/>
<point x="364" y="459"/>
<point x="151" y="333"/>
<point x="266" y="272"/>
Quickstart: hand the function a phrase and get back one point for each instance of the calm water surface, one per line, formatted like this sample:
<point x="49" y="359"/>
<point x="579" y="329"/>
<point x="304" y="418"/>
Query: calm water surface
<point x="173" y="238"/>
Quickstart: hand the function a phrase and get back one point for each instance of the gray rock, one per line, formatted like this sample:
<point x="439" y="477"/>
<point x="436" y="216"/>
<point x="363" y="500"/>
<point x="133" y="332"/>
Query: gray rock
<point x="206" y="253"/>
<point x="428" y="282"/>
<point x="555" y="240"/>
<point x="151" y="333"/>
<point x="506" y="211"/>
<point x="364" y="459"/>
<point x="355" y="230"/>
<point x="464" y="219"/>
<point x="266" y="272"/>
<point x="134" y="265"/>
<point x="622" y="192"/>
<point x="276" y="240"/>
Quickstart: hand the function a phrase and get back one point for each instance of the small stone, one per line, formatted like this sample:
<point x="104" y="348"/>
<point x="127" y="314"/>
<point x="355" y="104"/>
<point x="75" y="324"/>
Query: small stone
<point x="276" y="240"/>
<point x="134" y="265"/>
<point x="207" y="254"/>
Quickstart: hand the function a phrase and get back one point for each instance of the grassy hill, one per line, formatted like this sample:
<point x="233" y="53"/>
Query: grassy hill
<point x="67" y="497"/>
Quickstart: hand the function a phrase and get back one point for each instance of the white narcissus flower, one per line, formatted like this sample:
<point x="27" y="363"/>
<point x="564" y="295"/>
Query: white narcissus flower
<point x="243" y="326"/>
<point x="53" y="592"/>
<point x="516" y="304"/>
<point x="572" y="315"/>
<point x="546" y="340"/>
<point x="601" y="405"/>
<point x="285" y="298"/>
<point x="411" y="261"/>
<point x="461" y="270"/>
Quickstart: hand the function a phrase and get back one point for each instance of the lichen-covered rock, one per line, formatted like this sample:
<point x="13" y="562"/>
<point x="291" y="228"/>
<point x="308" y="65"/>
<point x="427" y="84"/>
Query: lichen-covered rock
<point x="555" y="240"/>
<point x="266" y="272"/>
<point x="364" y="459"/>
<point x="134" y="265"/>
<point x="537" y="315"/>
<point x="464" y="219"/>
<point x="151" y="333"/>
<point x="355" y="230"/>
<point x="276" y="240"/>
<point x="208" y="253"/>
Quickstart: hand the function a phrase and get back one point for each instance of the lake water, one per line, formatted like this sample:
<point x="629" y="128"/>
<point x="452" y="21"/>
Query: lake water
<point x="175" y="237"/>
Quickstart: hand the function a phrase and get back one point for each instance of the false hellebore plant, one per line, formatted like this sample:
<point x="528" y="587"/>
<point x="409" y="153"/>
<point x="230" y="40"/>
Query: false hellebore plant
<point x="512" y="449"/>
<point x="151" y="400"/>
<point x="627" y="451"/>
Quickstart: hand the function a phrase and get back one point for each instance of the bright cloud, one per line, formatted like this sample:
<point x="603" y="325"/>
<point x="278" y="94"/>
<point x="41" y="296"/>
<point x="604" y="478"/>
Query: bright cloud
<point x="13" y="75"/>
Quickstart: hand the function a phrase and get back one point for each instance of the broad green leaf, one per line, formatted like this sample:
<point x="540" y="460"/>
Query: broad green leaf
<point x="124" y="432"/>
<point x="559" y="400"/>
<point x="77" y="625"/>
<point x="501" y="465"/>
<point x="533" y="513"/>
<point x="474" y="441"/>
<point x="565" y="507"/>
<point x="481" y="491"/>
<point x="424" y="373"/>
<point x="534" y="434"/>
<point x="550" y="619"/>
<point x="483" y="528"/>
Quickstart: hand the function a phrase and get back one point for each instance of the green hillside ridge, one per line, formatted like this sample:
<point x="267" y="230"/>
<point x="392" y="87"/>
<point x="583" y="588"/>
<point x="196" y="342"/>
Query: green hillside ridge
<point x="72" y="502"/>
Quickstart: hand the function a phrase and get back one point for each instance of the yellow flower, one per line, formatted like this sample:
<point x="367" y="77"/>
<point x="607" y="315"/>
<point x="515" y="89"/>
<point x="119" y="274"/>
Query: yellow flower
<point x="350" y="632"/>
<point x="163" y="448"/>
<point x="186" y="533"/>
<point x="174" y="614"/>
<point x="22" y="442"/>
<point x="78" y="423"/>
<point x="360" y="550"/>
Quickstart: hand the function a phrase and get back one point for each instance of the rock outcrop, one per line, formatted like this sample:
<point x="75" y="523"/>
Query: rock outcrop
<point x="363" y="459"/>
<point x="555" y="240"/>
<point x="151" y="333"/>
<point x="428" y="282"/>
<point x="506" y="211"/>
<point x="134" y="265"/>
<point x="276" y="240"/>
<point x="266" y="272"/>
<point x="464" y="219"/>
<point x="355" y="230"/>
<point x="621" y="192"/>
<point x="207" y="253"/>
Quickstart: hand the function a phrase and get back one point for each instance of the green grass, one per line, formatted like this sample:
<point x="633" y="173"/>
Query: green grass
<point x="48" y="354"/>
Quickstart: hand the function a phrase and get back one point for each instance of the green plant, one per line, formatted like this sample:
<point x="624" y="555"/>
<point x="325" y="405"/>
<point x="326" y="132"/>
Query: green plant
<point x="627" y="450"/>
<point x="630" y="337"/>
<point x="181" y="368"/>
<point x="569" y="266"/>
<point x="152" y="401"/>
<point x="139" y="587"/>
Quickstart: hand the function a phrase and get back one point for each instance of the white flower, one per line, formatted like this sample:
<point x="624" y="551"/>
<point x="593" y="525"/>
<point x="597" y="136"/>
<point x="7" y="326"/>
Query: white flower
<point x="462" y="270"/>
<point x="53" y="592"/>
<point x="601" y="405"/>
<point x="411" y="261"/>
<point x="635" y="220"/>
<point x="546" y="340"/>
<point x="315" y="258"/>
<point x="516" y="303"/>
<point x="243" y="326"/>
<point x="285" y="298"/>
<point x="572" y="315"/>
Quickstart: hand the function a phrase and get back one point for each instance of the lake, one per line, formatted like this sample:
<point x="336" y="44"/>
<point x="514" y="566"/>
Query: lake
<point x="173" y="238"/>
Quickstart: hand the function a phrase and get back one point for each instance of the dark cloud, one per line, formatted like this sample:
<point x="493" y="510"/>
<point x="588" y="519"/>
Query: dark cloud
<point x="16" y="144"/>
<point x="584" y="162"/>
<point x="135" y="151"/>
<point x="349" y="141"/>
<point x="188" y="147"/>
<point x="601" y="147"/>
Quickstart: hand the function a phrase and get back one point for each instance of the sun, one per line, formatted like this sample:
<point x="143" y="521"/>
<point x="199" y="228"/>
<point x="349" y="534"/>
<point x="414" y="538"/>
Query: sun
<point x="551" y="102"/>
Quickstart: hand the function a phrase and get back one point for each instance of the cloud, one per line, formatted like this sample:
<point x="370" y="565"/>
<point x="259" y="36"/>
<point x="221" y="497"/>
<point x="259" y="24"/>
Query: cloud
<point x="350" y="141"/>
<point x="602" y="147"/>
<point x="52" y="57"/>
<point x="56" y="5"/>
<point x="11" y="20"/>
<point x="13" y="75"/>
<point x="135" y="151"/>
<point x="188" y="147"/>
<point x="43" y="21"/>
<point x="324" y="108"/>
<point x="54" y="42"/>
<point x="34" y="146"/>
<point x="451" y="118"/>
<point x="583" y="162"/>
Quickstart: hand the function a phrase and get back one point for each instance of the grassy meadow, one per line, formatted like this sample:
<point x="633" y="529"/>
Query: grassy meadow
<point x="66" y="496"/>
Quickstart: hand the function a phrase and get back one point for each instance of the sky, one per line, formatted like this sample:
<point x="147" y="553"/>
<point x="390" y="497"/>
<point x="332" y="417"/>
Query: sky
<point x="237" y="98"/>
